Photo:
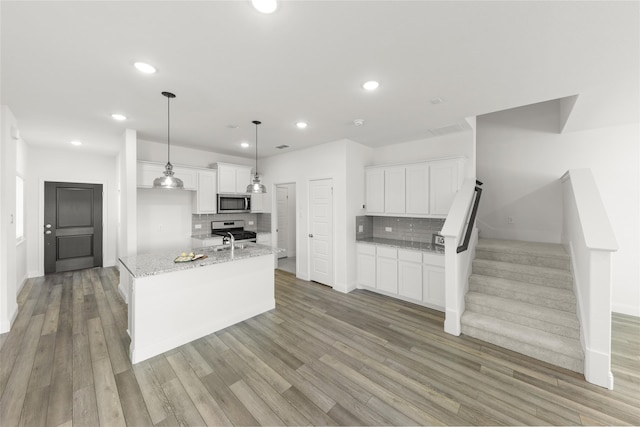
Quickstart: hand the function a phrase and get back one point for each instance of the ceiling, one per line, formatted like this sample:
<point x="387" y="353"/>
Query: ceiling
<point x="67" y="66"/>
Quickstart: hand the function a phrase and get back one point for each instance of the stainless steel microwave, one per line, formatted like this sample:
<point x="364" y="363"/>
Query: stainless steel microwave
<point x="234" y="203"/>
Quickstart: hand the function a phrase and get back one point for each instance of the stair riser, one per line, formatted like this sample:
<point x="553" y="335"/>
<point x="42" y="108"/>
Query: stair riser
<point x="548" y="356"/>
<point x="565" y="331"/>
<point x="559" y="263"/>
<point x="556" y="282"/>
<point x="569" y="306"/>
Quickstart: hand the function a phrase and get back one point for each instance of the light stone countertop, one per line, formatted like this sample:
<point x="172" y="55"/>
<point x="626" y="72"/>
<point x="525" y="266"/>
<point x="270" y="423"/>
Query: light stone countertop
<point x="153" y="263"/>
<point x="404" y="244"/>
<point x="205" y="236"/>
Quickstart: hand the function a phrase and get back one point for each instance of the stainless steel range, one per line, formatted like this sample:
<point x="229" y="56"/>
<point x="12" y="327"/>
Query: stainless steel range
<point x="235" y="227"/>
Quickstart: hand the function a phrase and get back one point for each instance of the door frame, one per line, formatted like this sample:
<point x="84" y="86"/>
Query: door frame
<point x="40" y="225"/>
<point x="274" y="216"/>
<point x="333" y="229"/>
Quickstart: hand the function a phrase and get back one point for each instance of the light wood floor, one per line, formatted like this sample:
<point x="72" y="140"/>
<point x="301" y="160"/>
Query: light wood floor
<point x="321" y="357"/>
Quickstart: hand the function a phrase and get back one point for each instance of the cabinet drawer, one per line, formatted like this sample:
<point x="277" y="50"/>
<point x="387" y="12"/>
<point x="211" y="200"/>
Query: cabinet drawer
<point x="433" y="259"/>
<point x="412" y="256"/>
<point x="387" y="252"/>
<point x="366" y="249"/>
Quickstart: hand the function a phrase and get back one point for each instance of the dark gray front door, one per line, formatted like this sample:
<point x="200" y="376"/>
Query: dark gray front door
<point x="72" y="226"/>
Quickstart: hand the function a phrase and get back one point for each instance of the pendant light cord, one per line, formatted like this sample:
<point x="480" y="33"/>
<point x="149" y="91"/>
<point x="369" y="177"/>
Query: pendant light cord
<point x="256" y="149"/>
<point x="168" y="130"/>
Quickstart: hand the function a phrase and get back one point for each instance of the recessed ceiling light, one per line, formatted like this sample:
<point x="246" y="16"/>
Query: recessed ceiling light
<point x="358" y="122"/>
<point x="119" y="117"/>
<point x="436" y="101"/>
<point x="265" y="6"/>
<point x="145" y="68"/>
<point x="76" y="143"/>
<point x="244" y="145"/>
<point x="301" y="125"/>
<point x="371" y="85"/>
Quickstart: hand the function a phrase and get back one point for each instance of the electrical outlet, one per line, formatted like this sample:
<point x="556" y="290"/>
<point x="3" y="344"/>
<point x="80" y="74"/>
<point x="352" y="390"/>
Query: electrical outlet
<point x="250" y="222"/>
<point x="388" y="229"/>
<point x="438" y="239"/>
<point x="360" y="228"/>
<point x="197" y="226"/>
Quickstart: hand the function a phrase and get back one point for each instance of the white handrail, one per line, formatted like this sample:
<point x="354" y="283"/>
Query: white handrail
<point x="588" y="237"/>
<point x="457" y="265"/>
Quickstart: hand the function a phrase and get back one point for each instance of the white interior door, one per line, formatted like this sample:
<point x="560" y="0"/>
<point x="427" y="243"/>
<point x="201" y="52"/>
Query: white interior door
<point x="321" y="230"/>
<point x="282" y="201"/>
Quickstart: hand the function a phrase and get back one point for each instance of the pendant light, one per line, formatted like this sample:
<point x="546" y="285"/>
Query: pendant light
<point x="256" y="187"/>
<point x="168" y="180"/>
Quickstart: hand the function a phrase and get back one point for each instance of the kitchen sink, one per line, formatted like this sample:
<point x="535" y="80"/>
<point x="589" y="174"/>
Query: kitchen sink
<point x="228" y="247"/>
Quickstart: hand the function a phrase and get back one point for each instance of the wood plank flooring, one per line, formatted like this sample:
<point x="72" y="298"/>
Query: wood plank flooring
<point x="320" y="358"/>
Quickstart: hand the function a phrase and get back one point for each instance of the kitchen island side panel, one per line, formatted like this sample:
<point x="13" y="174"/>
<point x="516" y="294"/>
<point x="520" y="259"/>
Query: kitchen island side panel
<point x="175" y="308"/>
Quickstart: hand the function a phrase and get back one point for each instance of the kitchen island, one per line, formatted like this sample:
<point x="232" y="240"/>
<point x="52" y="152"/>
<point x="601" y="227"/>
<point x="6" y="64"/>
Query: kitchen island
<point x="171" y="304"/>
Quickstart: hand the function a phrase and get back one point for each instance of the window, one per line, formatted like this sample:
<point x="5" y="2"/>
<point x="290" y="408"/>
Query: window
<point x="19" y="208"/>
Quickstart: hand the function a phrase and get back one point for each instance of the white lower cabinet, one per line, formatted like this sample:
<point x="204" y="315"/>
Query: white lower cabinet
<point x="411" y="275"/>
<point x="366" y="265"/>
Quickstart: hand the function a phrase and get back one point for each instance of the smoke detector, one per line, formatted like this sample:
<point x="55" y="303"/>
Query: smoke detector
<point x="358" y="122"/>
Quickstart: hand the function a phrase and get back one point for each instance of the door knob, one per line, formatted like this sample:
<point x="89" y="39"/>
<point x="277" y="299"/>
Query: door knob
<point x="310" y="235"/>
<point x="47" y="226"/>
<point x="47" y="232"/>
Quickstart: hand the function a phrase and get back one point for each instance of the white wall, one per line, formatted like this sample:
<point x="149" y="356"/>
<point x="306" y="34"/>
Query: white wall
<point x="157" y="152"/>
<point x="164" y="220"/>
<point x="21" y="247"/>
<point x="319" y="162"/>
<point x="73" y="165"/>
<point x="520" y="158"/>
<point x="291" y="231"/>
<point x="8" y="279"/>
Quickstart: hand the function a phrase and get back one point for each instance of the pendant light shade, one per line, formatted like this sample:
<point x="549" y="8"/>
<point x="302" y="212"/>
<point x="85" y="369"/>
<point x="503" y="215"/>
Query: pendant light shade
<point x="168" y="181"/>
<point x="256" y="186"/>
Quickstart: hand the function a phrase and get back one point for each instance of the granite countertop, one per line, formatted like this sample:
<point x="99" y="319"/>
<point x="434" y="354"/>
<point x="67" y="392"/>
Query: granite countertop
<point x="404" y="244"/>
<point x="205" y="236"/>
<point x="150" y="264"/>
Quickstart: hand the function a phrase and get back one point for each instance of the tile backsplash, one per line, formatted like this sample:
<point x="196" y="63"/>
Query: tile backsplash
<point x="408" y="229"/>
<point x="261" y="221"/>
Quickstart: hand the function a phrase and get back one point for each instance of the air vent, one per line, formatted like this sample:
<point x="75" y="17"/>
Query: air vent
<point x="280" y="147"/>
<point x="451" y="128"/>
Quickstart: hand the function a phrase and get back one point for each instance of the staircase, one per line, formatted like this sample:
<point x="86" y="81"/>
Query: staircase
<point x="521" y="298"/>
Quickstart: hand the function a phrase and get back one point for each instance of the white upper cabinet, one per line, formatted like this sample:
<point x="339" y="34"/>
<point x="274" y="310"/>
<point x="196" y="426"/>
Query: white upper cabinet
<point x="148" y="171"/>
<point x="205" y="201"/>
<point x="374" y="198"/>
<point x="233" y="178"/>
<point x="394" y="190"/>
<point x="424" y="189"/>
<point x="446" y="179"/>
<point x="417" y="188"/>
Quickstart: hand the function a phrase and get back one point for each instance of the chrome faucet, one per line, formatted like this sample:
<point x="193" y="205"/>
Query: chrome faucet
<point x="229" y="239"/>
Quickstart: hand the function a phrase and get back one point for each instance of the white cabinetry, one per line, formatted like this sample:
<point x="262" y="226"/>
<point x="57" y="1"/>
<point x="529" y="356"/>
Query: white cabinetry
<point x="387" y="269"/>
<point x="424" y="189"/>
<point x="366" y="265"/>
<point x="417" y="189"/>
<point x="410" y="275"/>
<point x="446" y="179"/>
<point x="232" y="178"/>
<point x="205" y="201"/>
<point x="433" y="289"/>
<point x="394" y="190"/>
<point x="374" y="198"/>
<point x="148" y="171"/>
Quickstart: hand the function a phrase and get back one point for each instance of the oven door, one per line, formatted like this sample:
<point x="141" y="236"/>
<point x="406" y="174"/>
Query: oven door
<point x="231" y="203"/>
